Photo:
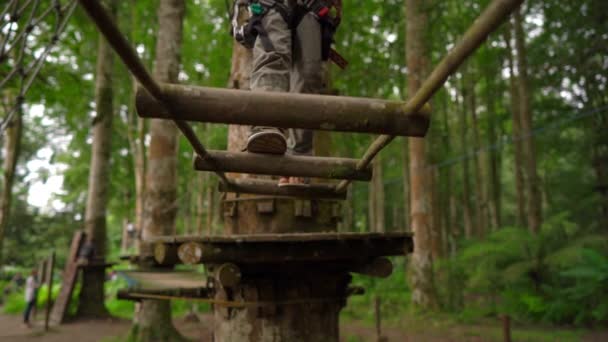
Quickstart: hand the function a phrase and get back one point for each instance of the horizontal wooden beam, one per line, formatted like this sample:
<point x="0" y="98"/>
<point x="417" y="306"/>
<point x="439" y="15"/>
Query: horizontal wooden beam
<point x="285" y="110"/>
<point x="287" y="165"/>
<point x="279" y="238"/>
<point x="274" y="250"/>
<point x="140" y="294"/>
<point x="271" y="188"/>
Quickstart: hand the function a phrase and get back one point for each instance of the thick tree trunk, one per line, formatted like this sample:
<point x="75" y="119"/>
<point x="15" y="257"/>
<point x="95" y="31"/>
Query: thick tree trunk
<point x="12" y="143"/>
<point x="525" y="107"/>
<point x="92" y="296"/>
<point x="421" y="265"/>
<point x="154" y="317"/>
<point x="296" y="322"/>
<point x="516" y="133"/>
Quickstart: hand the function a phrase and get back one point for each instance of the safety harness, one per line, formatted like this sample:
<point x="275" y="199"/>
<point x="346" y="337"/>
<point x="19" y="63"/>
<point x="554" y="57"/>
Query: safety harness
<point x="327" y="12"/>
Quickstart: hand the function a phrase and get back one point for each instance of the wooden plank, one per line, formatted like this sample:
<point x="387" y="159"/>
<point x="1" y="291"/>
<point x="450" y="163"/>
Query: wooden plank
<point x="287" y="165"/>
<point x="290" y="237"/>
<point x="155" y="281"/>
<point x="286" y="110"/>
<point x="70" y="275"/>
<point x="132" y="294"/>
<point x="271" y="188"/>
<point x="252" y="252"/>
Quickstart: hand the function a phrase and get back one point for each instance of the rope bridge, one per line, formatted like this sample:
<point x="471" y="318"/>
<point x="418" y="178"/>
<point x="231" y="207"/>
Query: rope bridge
<point x="331" y="113"/>
<point x="26" y="27"/>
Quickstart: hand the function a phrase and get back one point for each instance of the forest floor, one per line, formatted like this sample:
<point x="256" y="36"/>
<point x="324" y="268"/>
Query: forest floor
<point x="11" y="329"/>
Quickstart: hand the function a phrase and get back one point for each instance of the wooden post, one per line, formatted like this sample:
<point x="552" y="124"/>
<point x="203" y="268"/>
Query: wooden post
<point x="506" y="328"/>
<point x="50" y="267"/>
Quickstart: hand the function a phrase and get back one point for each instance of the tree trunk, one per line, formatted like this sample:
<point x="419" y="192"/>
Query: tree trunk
<point x="480" y="194"/>
<point x="92" y="296"/>
<point x="201" y="186"/>
<point x="379" y="197"/>
<point x="516" y="133"/>
<point x="406" y="185"/>
<point x="421" y="266"/>
<point x="531" y="173"/>
<point x="494" y="186"/>
<point x="12" y="144"/>
<point x="154" y="317"/>
<point x="297" y="322"/>
<point x="467" y="211"/>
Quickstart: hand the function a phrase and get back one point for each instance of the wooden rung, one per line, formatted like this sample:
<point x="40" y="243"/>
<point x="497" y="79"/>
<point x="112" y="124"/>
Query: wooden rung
<point x="272" y="165"/>
<point x="271" y="188"/>
<point x="286" y="110"/>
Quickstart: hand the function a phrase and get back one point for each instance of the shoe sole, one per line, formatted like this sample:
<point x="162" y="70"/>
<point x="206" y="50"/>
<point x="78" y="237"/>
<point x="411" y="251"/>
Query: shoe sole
<point x="267" y="143"/>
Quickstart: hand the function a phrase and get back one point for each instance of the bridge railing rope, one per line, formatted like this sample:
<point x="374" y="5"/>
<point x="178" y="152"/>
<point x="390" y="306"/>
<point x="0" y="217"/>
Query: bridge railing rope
<point x="390" y="118"/>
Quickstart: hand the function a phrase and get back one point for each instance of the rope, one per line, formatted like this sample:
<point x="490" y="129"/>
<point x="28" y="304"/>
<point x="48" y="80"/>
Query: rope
<point x="23" y="25"/>
<point x="127" y="54"/>
<point x="497" y="12"/>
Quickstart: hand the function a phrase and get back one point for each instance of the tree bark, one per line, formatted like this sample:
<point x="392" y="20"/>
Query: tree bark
<point x="376" y="198"/>
<point x="92" y="296"/>
<point x="494" y="185"/>
<point x="467" y="211"/>
<point x="154" y="317"/>
<point x="480" y="192"/>
<point x="516" y="133"/>
<point x="296" y="322"/>
<point x="421" y="266"/>
<point x="525" y="107"/>
<point x="12" y="144"/>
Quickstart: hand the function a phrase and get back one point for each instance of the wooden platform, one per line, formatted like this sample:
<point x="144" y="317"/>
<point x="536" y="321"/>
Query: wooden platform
<point x="179" y="285"/>
<point x="281" y="248"/>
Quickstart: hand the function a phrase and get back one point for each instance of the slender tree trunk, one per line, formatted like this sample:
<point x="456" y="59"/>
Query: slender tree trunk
<point x="200" y="202"/>
<point x="480" y="194"/>
<point x="154" y="317"/>
<point x="92" y="296"/>
<point x="467" y="211"/>
<point x="377" y="219"/>
<point x="436" y="221"/>
<point x="421" y="266"/>
<point x="520" y="185"/>
<point x="446" y="175"/>
<point x="531" y="173"/>
<point x="406" y="185"/>
<point x="494" y="186"/>
<point x="12" y="144"/>
<point x="211" y="207"/>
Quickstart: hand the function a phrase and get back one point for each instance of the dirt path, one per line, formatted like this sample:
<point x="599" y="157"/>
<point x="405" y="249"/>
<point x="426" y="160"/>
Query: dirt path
<point x="11" y="329"/>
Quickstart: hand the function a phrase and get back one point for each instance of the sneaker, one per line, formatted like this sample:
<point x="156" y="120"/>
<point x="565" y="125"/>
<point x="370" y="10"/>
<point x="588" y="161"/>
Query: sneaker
<point x="266" y="140"/>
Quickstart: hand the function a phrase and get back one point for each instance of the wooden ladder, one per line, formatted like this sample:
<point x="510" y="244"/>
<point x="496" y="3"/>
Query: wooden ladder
<point x="70" y="276"/>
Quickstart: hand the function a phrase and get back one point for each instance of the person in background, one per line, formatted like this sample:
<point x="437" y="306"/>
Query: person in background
<point x="31" y="289"/>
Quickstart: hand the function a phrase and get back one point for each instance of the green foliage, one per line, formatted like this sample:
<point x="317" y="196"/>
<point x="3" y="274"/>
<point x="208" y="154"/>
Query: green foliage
<point x="14" y="303"/>
<point x="558" y="276"/>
